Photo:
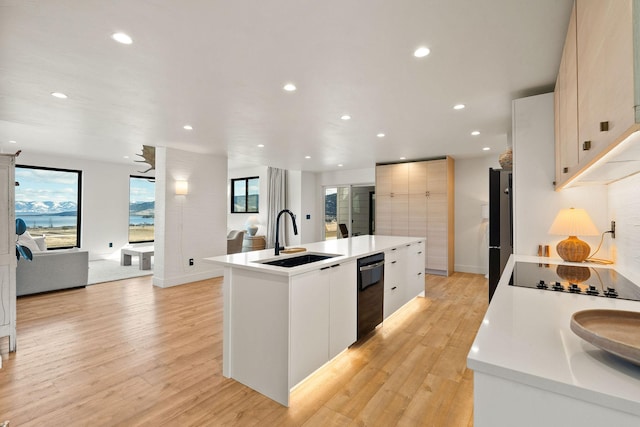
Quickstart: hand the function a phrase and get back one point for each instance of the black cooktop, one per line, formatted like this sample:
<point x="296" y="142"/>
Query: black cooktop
<point x="581" y="280"/>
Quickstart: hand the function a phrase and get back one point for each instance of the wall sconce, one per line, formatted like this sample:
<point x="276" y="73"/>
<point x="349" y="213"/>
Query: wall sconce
<point x="182" y="188"/>
<point x="573" y="222"/>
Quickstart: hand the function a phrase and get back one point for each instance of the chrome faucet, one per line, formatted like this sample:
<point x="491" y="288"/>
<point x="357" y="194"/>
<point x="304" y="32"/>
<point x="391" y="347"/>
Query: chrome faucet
<point x="295" y="228"/>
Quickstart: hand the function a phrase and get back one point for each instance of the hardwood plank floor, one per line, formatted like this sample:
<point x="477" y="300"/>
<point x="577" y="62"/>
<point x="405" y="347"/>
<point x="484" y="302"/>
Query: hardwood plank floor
<point x="127" y="353"/>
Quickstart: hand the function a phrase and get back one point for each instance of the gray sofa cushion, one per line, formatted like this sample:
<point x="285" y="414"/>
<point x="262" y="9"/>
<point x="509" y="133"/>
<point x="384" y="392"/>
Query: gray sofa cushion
<point x="52" y="270"/>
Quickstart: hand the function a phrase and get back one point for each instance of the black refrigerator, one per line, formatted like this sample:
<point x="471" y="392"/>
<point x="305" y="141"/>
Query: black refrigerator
<point x="500" y="224"/>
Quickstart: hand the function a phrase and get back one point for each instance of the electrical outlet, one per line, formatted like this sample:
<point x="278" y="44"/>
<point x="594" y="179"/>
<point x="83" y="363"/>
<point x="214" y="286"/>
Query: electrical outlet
<point x="190" y="261"/>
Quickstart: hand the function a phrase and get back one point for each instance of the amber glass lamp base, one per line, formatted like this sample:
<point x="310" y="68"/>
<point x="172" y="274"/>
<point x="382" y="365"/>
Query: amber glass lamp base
<point x="573" y="249"/>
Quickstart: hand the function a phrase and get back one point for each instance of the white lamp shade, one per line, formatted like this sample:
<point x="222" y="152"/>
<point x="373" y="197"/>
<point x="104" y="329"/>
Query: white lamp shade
<point x="252" y="221"/>
<point x="573" y="222"/>
<point x="182" y="188"/>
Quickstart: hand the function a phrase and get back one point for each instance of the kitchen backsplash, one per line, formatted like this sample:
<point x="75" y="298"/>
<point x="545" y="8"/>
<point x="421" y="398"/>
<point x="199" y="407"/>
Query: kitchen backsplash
<point x="624" y="208"/>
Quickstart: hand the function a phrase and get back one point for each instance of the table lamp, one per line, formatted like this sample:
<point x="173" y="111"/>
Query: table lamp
<point x="573" y="222"/>
<point x="252" y="225"/>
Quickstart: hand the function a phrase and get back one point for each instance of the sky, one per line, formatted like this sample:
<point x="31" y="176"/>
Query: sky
<point x="41" y="185"/>
<point x="142" y="190"/>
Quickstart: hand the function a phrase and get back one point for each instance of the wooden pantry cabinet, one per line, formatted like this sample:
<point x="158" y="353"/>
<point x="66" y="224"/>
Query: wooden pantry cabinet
<point x="416" y="199"/>
<point x="598" y="87"/>
<point x="7" y="251"/>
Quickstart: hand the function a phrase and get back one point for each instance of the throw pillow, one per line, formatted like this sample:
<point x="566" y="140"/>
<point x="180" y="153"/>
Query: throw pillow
<point x="27" y="241"/>
<point x="41" y="242"/>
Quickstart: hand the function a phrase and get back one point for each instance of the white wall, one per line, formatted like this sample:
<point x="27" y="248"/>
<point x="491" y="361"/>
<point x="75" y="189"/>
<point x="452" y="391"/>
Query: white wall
<point x="536" y="202"/>
<point x="236" y="221"/>
<point x="624" y="209"/>
<point x="471" y="231"/>
<point x="191" y="226"/>
<point x="105" y="200"/>
<point x="310" y="222"/>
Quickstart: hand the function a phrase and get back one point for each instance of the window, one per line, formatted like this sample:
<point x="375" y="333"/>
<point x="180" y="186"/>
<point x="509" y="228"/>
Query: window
<point x="48" y="200"/>
<point x="142" y="201"/>
<point x="245" y="194"/>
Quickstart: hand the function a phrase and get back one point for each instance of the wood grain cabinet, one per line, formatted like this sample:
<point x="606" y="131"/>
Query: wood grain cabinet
<point x="598" y="86"/>
<point x="416" y="199"/>
<point x="7" y="251"/>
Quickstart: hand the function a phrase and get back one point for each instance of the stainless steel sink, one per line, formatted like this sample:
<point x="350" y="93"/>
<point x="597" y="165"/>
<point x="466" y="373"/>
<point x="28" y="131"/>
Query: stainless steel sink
<point x="298" y="260"/>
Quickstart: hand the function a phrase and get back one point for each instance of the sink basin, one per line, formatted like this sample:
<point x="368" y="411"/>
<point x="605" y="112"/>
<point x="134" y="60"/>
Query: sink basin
<point x="298" y="260"/>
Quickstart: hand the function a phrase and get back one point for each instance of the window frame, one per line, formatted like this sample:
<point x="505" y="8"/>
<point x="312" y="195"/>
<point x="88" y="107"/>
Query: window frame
<point x="129" y="211"/>
<point x="246" y="195"/>
<point x="78" y="202"/>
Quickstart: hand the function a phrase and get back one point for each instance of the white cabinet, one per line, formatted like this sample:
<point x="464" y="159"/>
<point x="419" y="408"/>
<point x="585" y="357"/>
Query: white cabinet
<point x="395" y="280"/>
<point x="403" y="276"/>
<point x="323" y="317"/>
<point x="343" y="307"/>
<point x="7" y="251"/>
<point x="309" y="320"/>
<point x="415" y="270"/>
<point x="416" y="199"/>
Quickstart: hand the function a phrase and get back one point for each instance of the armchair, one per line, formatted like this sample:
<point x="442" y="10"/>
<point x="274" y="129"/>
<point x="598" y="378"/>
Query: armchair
<point x="234" y="241"/>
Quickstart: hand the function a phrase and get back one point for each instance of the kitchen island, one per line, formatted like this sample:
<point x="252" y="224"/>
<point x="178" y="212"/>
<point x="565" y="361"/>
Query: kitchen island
<point x="282" y="324"/>
<point x="530" y="369"/>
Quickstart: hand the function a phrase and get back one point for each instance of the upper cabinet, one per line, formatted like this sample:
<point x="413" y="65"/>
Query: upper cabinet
<point x="597" y="89"/>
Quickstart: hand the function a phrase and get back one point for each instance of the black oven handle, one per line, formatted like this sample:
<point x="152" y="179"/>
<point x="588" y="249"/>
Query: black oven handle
<point x="371" y="266"/>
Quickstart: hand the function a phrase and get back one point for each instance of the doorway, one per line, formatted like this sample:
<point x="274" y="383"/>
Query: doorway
<point x="348" y="211"/>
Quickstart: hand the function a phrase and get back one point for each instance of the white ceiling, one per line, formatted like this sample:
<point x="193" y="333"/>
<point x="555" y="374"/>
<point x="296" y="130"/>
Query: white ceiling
<point x="221" y="65"/>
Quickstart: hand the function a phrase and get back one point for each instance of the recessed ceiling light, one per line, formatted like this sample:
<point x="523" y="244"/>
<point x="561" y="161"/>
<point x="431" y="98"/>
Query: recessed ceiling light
<point x="458" y="106"/>
<point x="403" y="158"/>
<point x="380" y="135"/>
<point x="340" y="165"/>
<point x="12" y="142"/>
<point x="486" y="149"/>
<point x="125" y="157"/>
<point x="59" y="95"/>
<point x="421" y="52"/>
<point x="307" y="157"/>
<point x="290" y="87"/>
<point x="346" y="117"/>
<point x="260" y="145"/>
<point x="475" y="133"/>
<point x="187" y="127"/>
<point x="122" y="38"/>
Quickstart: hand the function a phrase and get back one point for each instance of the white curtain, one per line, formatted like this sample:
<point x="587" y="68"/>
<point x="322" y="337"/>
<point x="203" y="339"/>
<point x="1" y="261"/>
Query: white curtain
<point x="276" y="201"/>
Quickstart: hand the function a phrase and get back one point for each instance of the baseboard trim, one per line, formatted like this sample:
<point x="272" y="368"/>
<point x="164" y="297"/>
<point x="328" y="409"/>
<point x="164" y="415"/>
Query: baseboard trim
<point x="189" y="278"/>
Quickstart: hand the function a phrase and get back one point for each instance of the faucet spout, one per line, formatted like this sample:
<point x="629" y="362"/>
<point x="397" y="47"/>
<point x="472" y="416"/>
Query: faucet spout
<point x="295" y="228"/>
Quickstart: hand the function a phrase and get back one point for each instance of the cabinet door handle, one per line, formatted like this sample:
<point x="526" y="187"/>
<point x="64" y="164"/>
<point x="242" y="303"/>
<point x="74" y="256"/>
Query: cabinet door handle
<point x="420" y="274"/>
<point x="586" y="146"/>
<point x="604" y="126"/>
<point x="394" y="288"/>
<point x="393" y="262"/>
<point x="419" y="252"/>
<point x="335" y="265"/>
<point x="325" y="268"/>
<point x="565" y="170"/>
<point x="393" y="249"/>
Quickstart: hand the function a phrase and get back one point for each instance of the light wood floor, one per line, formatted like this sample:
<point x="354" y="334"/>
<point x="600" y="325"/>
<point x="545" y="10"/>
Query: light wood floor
<point x="127" y="353"/>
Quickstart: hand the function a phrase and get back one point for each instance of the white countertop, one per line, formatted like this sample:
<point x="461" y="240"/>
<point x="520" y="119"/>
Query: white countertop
<point x="346" y="249"/>
<point x="525" y="337"/>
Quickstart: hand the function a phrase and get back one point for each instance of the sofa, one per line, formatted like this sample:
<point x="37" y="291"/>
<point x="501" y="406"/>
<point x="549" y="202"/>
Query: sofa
<point x="51" y="271"/>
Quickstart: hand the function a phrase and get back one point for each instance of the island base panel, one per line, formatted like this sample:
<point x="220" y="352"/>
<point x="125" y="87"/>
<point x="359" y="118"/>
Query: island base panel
<point x="259" y="333"/>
